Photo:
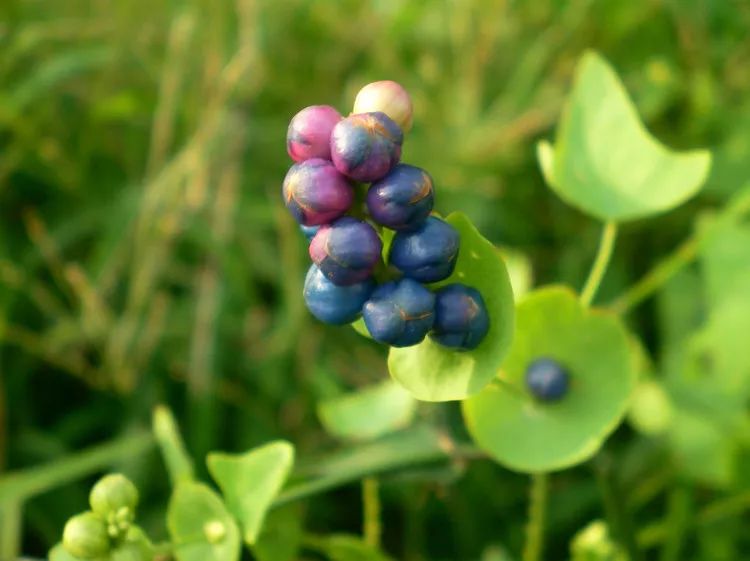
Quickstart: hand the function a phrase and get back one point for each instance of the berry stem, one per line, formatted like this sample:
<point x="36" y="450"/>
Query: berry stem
<point x="599" y="268"/>
<point x="372" y="527"/>
<point x="534" y="545"/>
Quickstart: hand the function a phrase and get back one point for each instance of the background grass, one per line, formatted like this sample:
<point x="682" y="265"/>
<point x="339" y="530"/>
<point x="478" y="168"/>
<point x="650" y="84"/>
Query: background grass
<point x="145" y="254"/>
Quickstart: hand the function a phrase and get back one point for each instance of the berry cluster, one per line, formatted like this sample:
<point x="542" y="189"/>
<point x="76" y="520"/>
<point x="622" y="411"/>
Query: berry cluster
<point x="344" y="221"/>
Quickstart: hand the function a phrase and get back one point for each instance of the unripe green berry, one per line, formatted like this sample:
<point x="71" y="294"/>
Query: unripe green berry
<point x="114" y="498"/>
<point x="85" y="536"/>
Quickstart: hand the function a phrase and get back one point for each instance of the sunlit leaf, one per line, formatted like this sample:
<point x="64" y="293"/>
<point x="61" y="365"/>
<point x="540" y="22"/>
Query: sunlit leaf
<point x="251" y="481"/>
<point x="527" y="435"/>
<point x="605" y="162"/>
<point x="200" y="525"/>
<point x="368" y="413"/>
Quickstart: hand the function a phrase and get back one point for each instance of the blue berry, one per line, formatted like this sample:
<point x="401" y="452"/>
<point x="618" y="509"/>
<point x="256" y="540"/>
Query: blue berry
<point x="316" y="193"/>
<point x="346" y="251"/>
<point x="402" y="199"/>
<point x="461" y="319"/>
<point x="334" y="304"/>
<point x="366" y="146"/>
<point x="547" y="380"/>
<point x="428" y="253"/>
<point x="400" y="313"/>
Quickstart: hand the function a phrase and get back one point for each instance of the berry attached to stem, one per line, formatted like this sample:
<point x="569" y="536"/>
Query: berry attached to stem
<point x="315" y="193"/>
<point x="427" y="253"/>
<point x="400" y="313"/>
<point x="334" y="304"/>
<point x="403" y="199"/>
<point x="309" y="133"/>
<point x="388" y="97"/>
<point x="366" y="146"/>
<point x="461" y="319"/>
<point x="547" y="379"/>
<point x="347" y="251"/>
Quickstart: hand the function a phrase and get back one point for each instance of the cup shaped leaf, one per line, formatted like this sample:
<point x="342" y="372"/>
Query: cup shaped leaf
<point x="530" y="435"/>
<point x="432" y="372"/>
<point x="605" y="162"/>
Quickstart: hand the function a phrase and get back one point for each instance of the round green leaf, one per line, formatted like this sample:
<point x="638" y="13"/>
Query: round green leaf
<point x="605" y="162"/>
<point x="434" y="373"/>
<point x="251" y="481"/>
<point x="527" y="435"/>
<point x="368" y="413"/>
<point x="200" y="525"/>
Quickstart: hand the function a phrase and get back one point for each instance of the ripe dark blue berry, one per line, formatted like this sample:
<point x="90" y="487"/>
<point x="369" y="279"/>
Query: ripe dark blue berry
<point x="461" y="319"/>
<point x="402" y="199"/>
<point x="400" y="313"/>
<point x="316" y="193"/>
<point x="334" y="304"/>
<point x="427" y="253"/>
<point x="547" y="380"/>
<point x="346" y="251"/>
<point x="366" y="146"/>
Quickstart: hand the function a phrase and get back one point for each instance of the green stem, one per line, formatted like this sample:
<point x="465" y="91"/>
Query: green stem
<point x="534" y="545"/>
<point x="22" y="485"/>
<point x="599" y="268"/>
<point x="618" y="519"/>
<point x="372" y="528"/>
<point x="682" y="256"/>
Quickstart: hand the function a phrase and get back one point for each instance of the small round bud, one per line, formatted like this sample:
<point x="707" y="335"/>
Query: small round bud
<point x="403" y="199"/>
<point x="114" y="496"/>
<point x="427" y="253"/>
<point x="346" y="251"/>
<point x="461" y="319"/>
<point x="85" y="536"/>
<point x="215" y="531"/>
<point x="309" y="133"/>
<point x="400" y="313"/>
<point x="388" y="97"/>
<point x="334" y="304"/>
<point x="315" y="193"/>
<point x="547" y="380"/>
<point x="366" y="146"/>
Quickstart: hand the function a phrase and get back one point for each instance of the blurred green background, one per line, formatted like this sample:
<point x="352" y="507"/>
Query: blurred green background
<point x="146" y="257"/>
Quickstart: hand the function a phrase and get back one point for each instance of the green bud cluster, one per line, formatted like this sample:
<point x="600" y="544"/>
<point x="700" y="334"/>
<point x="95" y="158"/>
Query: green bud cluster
<point x="104" y="530"/>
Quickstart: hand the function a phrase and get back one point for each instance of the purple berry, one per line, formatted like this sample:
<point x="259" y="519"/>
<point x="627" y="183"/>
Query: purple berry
<point x="334" y="304"/>
<point x="315" y="193"/>
<point x="309" y="133"/>
<point x="366" y="146"/>
<point x="400" y="313"/>
<point x="461" y="319"/>
<point x="402" y="199"/>
<point x="427" y="253"/>
<point x="346" y="251"/>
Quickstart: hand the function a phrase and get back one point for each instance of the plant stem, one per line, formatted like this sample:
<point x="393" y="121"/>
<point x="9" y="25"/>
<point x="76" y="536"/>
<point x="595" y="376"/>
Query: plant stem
<point x="534" y="545"/>
<point x="618" y="519"/>
<point x="22" y="485"/>
<point x="658" y="276"/>
<point x="372" y="528"/>
<point x="682" y="256"/>
<point x="599" y="268"/>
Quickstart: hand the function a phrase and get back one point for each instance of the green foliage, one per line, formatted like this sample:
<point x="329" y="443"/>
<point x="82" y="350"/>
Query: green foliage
<point x="605" y="162"/>
<point x="200" y="525"/>
<point x="250" y="482"/>
<point x="432" y="372"/>
<point x="527" y="435"/>
<point x="368" y="413"/>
